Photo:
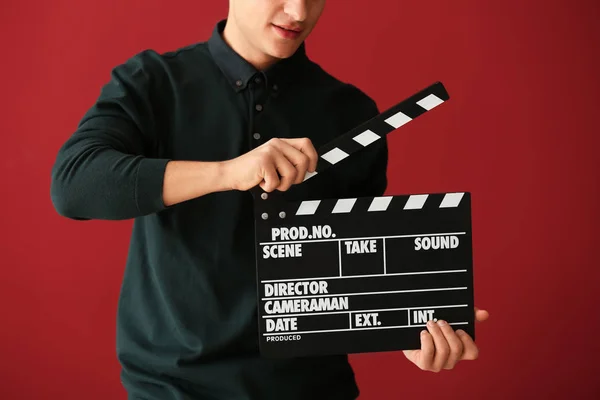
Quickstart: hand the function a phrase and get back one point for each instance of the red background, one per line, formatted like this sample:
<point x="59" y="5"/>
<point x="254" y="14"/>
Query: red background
<point x="520" y="133"/>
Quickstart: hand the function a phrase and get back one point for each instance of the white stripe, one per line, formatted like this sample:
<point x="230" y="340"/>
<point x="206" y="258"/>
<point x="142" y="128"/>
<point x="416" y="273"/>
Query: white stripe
<point x="365" y="238"/>
<point x="451" y="200"/>
<point x="380" y="203"/>
<point x="448" y="271"/>
<point x="415" y="202"/>
<point x="398" y="120"/>
<point x="309" y="175"/>
<point x="343" y="206"/>
<point x="367" y="137"/>
<point x="366" y="293"/>
<point x="340" y="257"/>
<point x="334" y="155"/>
<point x="363" y="329"/>
<point x="308" y="207"/>
<point x="384" y="258"/>
<point x="430" y="102"/>
<point x="276" y="315"/>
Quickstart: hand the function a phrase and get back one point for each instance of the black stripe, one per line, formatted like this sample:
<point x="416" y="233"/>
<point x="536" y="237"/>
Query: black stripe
<point x="350" y="146"/>
<point x="413" y="110"/>
<point x="380" y="127"/>
<point x="398" y="203"/>
<point x="433" y="201"/>
<point x="325" y="207"/>
<point x="362" y="204"/>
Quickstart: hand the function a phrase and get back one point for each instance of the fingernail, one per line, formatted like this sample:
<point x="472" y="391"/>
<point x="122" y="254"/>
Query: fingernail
<point x="441" y="322"/>
<point x="430" y="323"/>
<point x="460" y="332"/>
<point x="423" y="333"/>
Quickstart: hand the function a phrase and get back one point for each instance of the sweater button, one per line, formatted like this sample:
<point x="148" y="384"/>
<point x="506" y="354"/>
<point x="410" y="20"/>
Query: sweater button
<point x="259" y="107"/>
<point x="238" y="83"/>
<point x="256" y="136"/>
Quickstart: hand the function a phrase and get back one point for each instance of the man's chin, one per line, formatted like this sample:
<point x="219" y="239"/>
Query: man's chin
<point x="281" y="52"/>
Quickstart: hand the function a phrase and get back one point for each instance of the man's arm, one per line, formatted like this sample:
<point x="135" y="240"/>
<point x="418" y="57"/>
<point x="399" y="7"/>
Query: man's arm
<point x="108" y="168"/>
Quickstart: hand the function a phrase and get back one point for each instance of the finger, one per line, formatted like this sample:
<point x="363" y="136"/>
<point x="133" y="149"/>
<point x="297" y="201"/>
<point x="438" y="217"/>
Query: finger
<point x="424" y="357"/>
<point x="470" y="349"/>
<point x="442" y="349"/>
<point x="412" y="355"/>
<point x="481" y="315"/>
<point x="286" y="170"/>
<point x="454" y="343"/>
<point x="270" y="178"/>
<point x="296" y="157"/>
<point x="305" y="146"/>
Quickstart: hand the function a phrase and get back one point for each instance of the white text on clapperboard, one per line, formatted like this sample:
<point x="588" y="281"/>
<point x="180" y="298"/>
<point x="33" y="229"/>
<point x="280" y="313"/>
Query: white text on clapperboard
<point x="352" y="246"/>
<point x="294" y="233"/>
<point x="274" y="306"/>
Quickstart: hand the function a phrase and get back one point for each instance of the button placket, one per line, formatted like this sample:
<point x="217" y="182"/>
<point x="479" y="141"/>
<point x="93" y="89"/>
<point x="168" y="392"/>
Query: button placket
<point x="274" y="90"/>
<point x="259" y="90"/>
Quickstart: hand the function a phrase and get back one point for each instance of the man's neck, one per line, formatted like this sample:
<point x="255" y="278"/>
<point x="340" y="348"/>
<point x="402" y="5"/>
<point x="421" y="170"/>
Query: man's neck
<point x="233" y="37"/>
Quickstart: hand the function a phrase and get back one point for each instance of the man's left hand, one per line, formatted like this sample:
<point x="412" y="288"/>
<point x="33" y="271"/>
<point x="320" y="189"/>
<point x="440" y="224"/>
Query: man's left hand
<point x="443" y="348"/>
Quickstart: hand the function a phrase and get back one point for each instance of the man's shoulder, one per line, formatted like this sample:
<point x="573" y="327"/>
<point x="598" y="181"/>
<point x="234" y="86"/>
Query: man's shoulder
<point x="151" y="58"/>
<point x="155" y="65"/>
<point x="347" y="94"/>
<point x="351" y="105"/>
<point x="188" y="52"/>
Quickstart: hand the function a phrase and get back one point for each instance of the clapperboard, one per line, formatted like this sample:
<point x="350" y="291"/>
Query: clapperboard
<point x="353" y="275"/>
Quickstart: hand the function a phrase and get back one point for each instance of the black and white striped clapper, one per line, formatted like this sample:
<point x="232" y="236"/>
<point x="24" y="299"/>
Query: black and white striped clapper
<point x="353" y="275"/>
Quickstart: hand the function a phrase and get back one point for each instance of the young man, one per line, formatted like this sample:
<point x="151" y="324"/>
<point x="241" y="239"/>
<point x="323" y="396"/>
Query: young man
<point x="175" y="141"/>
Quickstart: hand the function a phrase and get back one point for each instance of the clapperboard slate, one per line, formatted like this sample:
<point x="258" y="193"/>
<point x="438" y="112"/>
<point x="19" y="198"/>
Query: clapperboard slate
<point x="339" y="276"/>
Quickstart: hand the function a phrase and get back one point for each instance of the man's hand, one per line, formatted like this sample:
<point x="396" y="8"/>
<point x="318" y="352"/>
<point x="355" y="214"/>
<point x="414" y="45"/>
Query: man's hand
<point x="277" y="164"/>
<point x="443" y="348"/>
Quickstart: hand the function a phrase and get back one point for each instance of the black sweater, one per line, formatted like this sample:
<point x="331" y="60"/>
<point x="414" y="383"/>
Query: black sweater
<point x="187" y="309"/>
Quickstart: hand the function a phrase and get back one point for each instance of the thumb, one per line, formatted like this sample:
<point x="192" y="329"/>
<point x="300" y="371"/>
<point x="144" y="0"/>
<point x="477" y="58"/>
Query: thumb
<point x="481" y="315"/>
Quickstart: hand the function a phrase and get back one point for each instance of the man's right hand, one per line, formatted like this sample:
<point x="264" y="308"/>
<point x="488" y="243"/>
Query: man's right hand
<point x="277" y="164"/>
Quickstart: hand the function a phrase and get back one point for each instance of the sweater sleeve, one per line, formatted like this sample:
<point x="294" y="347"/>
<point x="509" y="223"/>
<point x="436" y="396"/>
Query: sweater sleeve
<point x="105" y="169"/>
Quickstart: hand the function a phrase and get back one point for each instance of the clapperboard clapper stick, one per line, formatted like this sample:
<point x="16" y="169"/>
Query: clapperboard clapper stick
<point x="353" y="275"/>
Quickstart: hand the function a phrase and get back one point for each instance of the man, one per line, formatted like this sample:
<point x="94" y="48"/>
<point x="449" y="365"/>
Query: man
<point x="175" y="141"/>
